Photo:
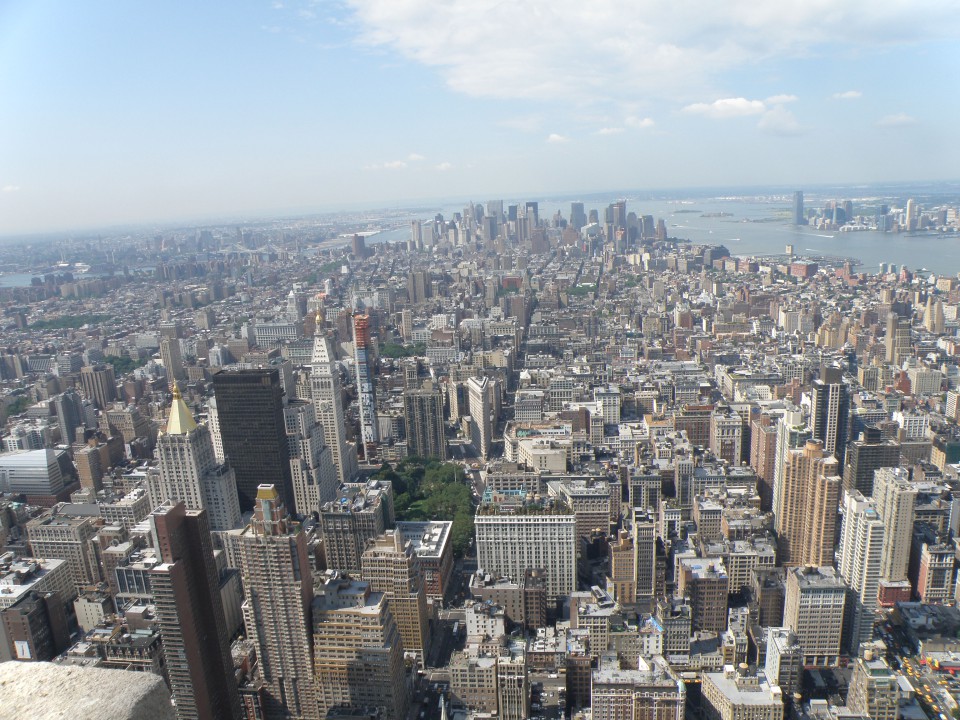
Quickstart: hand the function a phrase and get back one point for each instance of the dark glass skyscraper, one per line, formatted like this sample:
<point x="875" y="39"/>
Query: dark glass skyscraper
<point x="254" y="434"/>
<point x="830" y="414"/>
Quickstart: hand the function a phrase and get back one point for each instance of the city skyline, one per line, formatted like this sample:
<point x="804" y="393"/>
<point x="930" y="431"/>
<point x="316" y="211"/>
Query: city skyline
<point x="135" y="116"/>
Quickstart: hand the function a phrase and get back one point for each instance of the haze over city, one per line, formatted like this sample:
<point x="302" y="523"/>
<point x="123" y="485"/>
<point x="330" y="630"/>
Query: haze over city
<point x="117" y="113"/>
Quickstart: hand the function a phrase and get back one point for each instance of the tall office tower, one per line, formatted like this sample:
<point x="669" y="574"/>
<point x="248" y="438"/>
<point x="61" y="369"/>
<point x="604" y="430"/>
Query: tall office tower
<point x="366" y="389"/>
<point x="328" y="402"/>
<point x="188" y="471"/>
<point x="250" y="413"/>
<point x="798" y="216"/>
<point x="705" y="582"/>
<point x="830" y="414"/>
<point x="513" y="689"/>
<point x="311" y="462"/>
<point x="418" y="286"/>
<point x="423" y="417"/>
<point x="865" y="456"/>
<point x="357" y="650"/>
<point x="674" y="617"/>
<point x="896" y="499"/>
<point x="874" y="688"/>
<point x="406" y="325"/>
<point x="784" y="662"/>
<point x="416" y="235"/>
<point x="360" y="513"/>
<point x="734" y="695"/>
<point x="937" y="320"/>
<point x="99" y="384"/>
<point x="814" y="610"/>
<point x="488" y="229"/>
<point x="726" y="433"/>
<point x="70" y="538"/>
<point x="644" y="529"/>
<point x="806" y="518"/>
<point x="533" y="212"/>
<point x="578" y="218"/>
<point x="859" y="561"/>
<point x="391" y="566"/>
<point x="172" y="360"/>
<point x="651" y="691"/>
<point x="480" y="393"/>
<point x="213" y="421"/>
<point x="186" y="592"/>
<point x="543" y="536"/>
<point x="276" y="612"/>
<point x="898" y="342"/>
<point x="792" y="433"/>
<point x="622" y="580"/>
<point x="69" y="409"/>
<point x="763" y="455"/>
<point x="911" y="219"/>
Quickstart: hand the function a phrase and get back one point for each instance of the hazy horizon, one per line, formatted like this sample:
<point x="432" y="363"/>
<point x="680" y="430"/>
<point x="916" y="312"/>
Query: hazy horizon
<point x="121" y="115"/>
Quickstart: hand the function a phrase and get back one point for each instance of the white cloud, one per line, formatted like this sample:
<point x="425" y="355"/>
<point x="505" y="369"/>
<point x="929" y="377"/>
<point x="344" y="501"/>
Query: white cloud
<point x="610" y="131"/>
<point x="779" y="121"/>
<point x="847" y="95"/>
<point x="389" y="165"/>
<point x="556" y="138"/>
<point x="727" y="108"/>
<point x="277" y="5"/>
<point x="659" y="50"/>
<point x="637" y="122"/>
<point x="11" y="188"/>
<point x="525" y="123"/>
<point x="444" y="166"/>
<point x="415" y="157"/>
<point x="900" y="119"/>
<point x="781" y="99"/>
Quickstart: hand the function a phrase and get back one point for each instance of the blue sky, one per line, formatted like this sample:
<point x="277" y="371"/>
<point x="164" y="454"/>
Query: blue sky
<point x="139" y="112"/>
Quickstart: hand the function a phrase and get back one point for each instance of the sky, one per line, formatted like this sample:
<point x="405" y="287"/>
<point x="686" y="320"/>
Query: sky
<point x="120" y="112"/>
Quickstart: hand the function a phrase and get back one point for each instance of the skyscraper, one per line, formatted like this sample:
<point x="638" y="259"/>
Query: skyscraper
<point x="544" y="536"/>
<point x="814" y="610"/>
<point x="189" y="472"/>
<point x="898" y="339"/>
<point x="482" y="422"/>
<point x="250" y="414"/>
<point x="311" y="462"/>
<point x="874" y="689"/>
<point x="578" y="218"/>
<point x="896" y="498"/>
<point x="186" y="593"/>
<point x="807" y="512"/>
<point x="360" y="513"/>
<point x="423" y="417"/>
<point x="391" y="566"/>
<point x="328" y="402"/>
<point x="358" y="652"/>
<point x="277" y="610"/>
<point x="798" y="216"/>
<point x="792" y="433"/>
<point x="69" y="408"/>
<point x="830" y="412"/>
<point x="867" y="455"/>
<point x="860" y="559"/>
<point x="172" y="360"/>
<point x="99" y="384"/>
<point x="366" y="390"/>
